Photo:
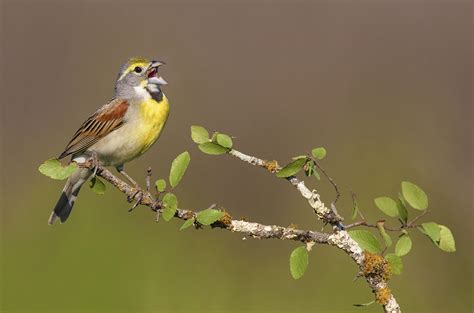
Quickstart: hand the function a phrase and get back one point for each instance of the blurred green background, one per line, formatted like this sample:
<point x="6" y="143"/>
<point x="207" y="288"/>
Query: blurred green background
<point x="385" y="86"/>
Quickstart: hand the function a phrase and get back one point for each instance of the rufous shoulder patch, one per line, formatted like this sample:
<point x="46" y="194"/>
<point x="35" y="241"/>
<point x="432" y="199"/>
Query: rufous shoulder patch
<point x="115" y="112"/>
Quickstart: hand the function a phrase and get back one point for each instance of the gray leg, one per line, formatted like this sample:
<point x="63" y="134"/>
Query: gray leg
<point x="137" y="191"/>
<point x="95" y="162"/>
<point x="120" y="169"/>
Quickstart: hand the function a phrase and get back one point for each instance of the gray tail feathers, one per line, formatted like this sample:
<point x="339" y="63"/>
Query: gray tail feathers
<point x="69" y="194"/>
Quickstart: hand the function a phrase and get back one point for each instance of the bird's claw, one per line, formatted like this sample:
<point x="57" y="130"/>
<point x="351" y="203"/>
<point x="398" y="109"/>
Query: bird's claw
<point x="137" y="193"/>
<point x="95" y="163"/>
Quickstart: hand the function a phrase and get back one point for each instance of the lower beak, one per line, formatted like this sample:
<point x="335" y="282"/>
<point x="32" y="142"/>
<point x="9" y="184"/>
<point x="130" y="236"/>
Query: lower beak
<point x="157" y="81"/>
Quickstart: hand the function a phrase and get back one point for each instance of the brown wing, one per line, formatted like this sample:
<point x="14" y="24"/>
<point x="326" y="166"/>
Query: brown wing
<point x="107" y="119"/>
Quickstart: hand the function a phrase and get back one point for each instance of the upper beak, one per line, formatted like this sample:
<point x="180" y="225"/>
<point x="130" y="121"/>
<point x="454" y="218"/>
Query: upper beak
<point x="152" y="71"/>
<point x="157" y="63"/>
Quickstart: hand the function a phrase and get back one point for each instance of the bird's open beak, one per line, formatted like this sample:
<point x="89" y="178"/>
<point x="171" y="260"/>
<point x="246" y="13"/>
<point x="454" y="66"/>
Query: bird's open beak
<point x="152" y="74"/>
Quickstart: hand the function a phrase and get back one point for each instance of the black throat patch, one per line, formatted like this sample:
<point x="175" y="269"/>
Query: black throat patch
<point x="157" y="96"/>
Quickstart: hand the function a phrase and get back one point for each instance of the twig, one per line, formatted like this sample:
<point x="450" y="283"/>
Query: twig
<point x="148" y="179"/>
<point x="366" y="224"/>
<point x="329" y="178"/>
<point x="416" y="218"/>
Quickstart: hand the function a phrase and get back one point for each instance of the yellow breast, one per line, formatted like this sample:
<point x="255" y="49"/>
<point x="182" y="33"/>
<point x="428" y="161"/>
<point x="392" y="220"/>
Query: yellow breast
<point x="154" y="115"/>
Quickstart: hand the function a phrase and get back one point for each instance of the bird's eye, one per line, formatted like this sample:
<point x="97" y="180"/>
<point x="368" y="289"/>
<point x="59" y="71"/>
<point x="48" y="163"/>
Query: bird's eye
<point x="138" y="69"/>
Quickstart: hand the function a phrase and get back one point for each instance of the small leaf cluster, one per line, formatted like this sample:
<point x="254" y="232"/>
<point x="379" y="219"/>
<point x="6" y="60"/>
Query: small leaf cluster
<point x="303" y="162"/>
<point x="170" y="201"/>
<point x="417" y="199"/>
<point x="216" y="144"/>
<point x="205" y="217"/>
<point x="411" y="196"/>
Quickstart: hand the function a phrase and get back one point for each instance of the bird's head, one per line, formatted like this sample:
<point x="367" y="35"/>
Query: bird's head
<point x="138" y="78"/>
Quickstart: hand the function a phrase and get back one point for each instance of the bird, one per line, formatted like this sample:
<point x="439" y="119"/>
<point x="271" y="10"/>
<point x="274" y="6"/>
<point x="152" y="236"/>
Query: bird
<point x="118" y="132"/>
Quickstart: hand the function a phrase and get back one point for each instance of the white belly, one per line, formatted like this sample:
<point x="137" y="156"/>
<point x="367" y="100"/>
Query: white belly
<point x="113" y="149"/>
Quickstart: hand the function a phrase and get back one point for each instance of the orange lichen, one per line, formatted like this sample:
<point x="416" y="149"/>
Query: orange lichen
<point x="383" y="295"/>
<point x="293" y="226"/>
<point x="272" y="166"/>
<point x="226" y="219"/>
<point x="188" y="215"/>
<point x="376" y="265"/>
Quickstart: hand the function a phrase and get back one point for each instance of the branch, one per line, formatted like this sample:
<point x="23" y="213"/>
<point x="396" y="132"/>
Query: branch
<point x="313" y="197"/>
<point x="340" y="238"/>
<point x="253" y="230"/>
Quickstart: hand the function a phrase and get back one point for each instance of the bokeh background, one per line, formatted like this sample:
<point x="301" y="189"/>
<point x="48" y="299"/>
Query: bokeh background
<point x="385" y="86"/>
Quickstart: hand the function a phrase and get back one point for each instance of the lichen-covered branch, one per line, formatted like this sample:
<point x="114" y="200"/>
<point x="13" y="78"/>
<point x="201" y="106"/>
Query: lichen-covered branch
<point x="249" y="229"/>
<point x="313" y="197"/>
<point x="340" y="238"/>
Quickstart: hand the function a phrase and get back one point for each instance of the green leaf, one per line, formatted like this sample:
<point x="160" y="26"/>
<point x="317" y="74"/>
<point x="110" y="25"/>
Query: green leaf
<point x="387" y="206"/>
<point x="212" y="148"/>
<point x="214" y="137"/>
<point x="299" y="157"/>
<point x="319" y="153"/>
<point x="365" y="304"/>
<point x="400" y="196"/>
<point x="395" y="262"/>
<point x="403" y="245"/>
<point x="366" y="240"/>
<point x="55" y="170"/>
<point x="385" y="236"/>
<point x="224" y="140"/>
<point x="199" y="134"/>
<point x="97" y="185"/>
<point x="402" y="209"/>
<point x="160" y="185"/>
<point x="440" y="235"/>
<point x="292" y="168"/>
<point x="170" y="202"/>
<point x="446" y="239"/>
<point x="415" y="196"/>
<point x="309" y="168"/>
<point x="178" y="168"/>
<point x="299" y="259"/>
<point x="187" y="224"/>
<point x="209" y="216"/>
<point x="316" y="174"/>
<point x="431" y="230"/>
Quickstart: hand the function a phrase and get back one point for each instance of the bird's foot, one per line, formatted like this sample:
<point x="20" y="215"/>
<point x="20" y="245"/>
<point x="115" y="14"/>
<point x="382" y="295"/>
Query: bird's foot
<point x="137" y="193"/>
<point x="95" y="163"/>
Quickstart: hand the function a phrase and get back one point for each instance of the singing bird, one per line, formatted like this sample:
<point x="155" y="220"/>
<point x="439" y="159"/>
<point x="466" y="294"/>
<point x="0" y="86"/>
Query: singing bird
<point x="119" y="131"/>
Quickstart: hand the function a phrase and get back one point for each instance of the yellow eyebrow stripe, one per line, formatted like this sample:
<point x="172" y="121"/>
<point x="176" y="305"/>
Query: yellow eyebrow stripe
<point x="132" y="67"/>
